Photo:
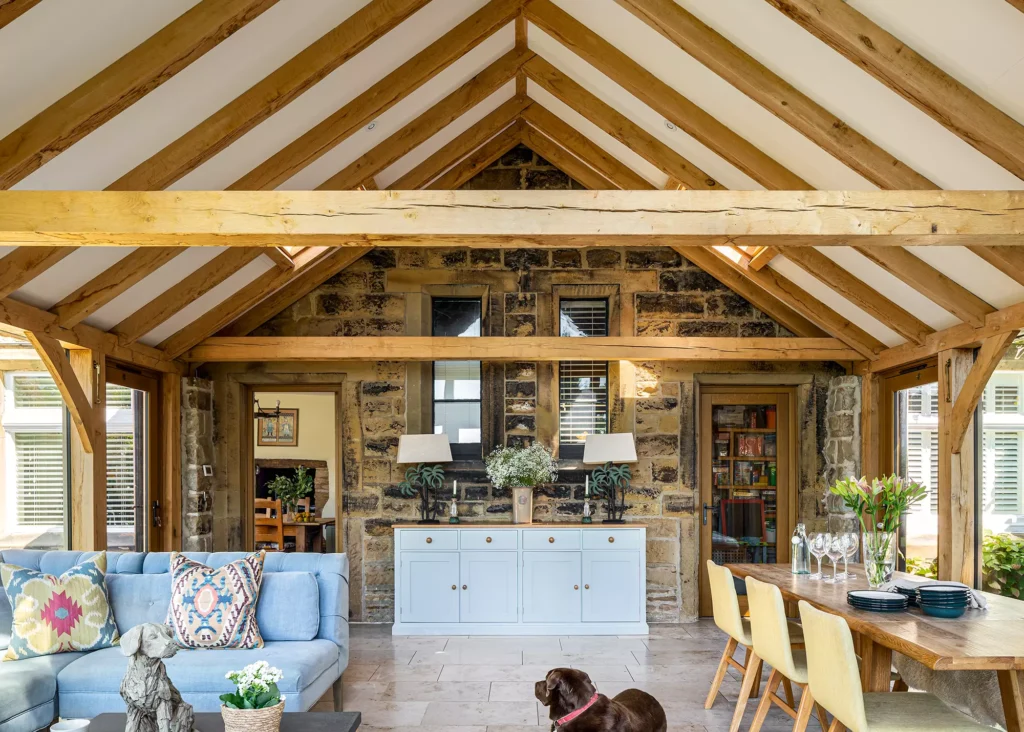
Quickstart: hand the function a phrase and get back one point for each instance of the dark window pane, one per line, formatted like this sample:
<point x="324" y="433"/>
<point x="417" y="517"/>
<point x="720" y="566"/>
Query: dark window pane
<point x="456" y="317"/>
<point x="456" y="389"/>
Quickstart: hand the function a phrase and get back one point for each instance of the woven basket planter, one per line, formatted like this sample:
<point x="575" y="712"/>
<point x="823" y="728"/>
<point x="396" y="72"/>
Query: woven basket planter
<point x="252" y="720"/>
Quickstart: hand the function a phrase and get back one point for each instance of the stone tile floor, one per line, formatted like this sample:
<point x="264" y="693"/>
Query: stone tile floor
<point x="485" y="684"/>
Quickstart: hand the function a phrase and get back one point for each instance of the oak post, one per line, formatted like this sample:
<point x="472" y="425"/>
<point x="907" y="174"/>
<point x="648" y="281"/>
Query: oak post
<point x="88" y="467"/>
<point x="956" y="473"/>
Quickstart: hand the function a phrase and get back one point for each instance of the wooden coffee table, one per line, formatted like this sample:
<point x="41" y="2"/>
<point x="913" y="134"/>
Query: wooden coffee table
<point x="290" y="722"/>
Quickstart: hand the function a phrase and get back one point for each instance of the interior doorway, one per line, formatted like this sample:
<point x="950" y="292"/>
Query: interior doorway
<point x="748" y="493"/>
<point x="293" y="441"/>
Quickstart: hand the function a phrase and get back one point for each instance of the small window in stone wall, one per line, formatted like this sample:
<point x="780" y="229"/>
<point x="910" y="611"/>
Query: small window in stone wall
<point x="456" y="391"/>
<point x="582" y="385"/>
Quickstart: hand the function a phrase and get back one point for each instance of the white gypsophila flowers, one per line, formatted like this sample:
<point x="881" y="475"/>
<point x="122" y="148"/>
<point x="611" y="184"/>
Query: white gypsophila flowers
<point x="518" y="466"/>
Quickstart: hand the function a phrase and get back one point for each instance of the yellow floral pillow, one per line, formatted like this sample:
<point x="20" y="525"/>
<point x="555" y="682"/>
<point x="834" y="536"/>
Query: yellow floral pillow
<point x="59" y="614"/>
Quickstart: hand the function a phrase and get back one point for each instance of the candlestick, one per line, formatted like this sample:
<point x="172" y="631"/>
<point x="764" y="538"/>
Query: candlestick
<point x="587" y="486"/>
<point x="455" y="487"/>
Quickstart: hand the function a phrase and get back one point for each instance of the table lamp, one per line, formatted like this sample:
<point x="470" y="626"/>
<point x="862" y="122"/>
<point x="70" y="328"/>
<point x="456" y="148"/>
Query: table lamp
<point x="611" y="481"/>
<point x="422" y="477"/>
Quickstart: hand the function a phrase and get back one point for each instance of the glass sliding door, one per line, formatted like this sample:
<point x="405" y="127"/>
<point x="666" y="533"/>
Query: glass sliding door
<point x="129" y="400"/>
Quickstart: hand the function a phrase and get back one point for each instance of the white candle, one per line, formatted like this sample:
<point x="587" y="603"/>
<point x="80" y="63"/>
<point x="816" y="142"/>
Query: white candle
<point x="588" y="485"/>
<point x="455" y="487"/>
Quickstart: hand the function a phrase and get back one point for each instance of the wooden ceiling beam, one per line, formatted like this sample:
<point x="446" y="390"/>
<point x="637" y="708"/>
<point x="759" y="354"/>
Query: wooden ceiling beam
<point x="1009" y="261"/>
<point x="966" y="114"/>
<point x="618" y="126"/>
<point x="24" y="264"/>
<point x="429" y="123"/>
<point x="661" y="97"/>
<point x="1019" y="4"/>
<point x="79" y="406"/>
<point x="478" y="159"/>
<point x="298" y="286"/>
<point x="267" y="96"/>
<point x="166" y="304"/>
<point x="762" y="256"/>
<point x="111" y="282"/>
<point x="26" y="317"/>
<point x="564" y="160"/>
<point x="280" y="256"/>
<point x="860" y="293"/>
<point x="964" y="335"/>
<point x="931" y="283"/>
<point x="430" y="348"/>
<point x="380" y="97"/>
<point x="11" y="10"/>
<point x="462" y="145"/>
<point x="607" y="165"/>
<point x="886" y="219"/>
<point x="776" y="95"/>
<point x="798" y="299"/>
<point x="123" y="83"/>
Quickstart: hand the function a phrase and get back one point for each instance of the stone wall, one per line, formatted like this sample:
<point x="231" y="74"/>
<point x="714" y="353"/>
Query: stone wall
<point x="197" y="450"/>
<point x="651" y="291"/>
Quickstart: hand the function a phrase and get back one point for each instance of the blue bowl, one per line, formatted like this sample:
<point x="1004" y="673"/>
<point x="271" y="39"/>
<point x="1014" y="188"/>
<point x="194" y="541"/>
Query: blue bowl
<point x="941" y="611"/>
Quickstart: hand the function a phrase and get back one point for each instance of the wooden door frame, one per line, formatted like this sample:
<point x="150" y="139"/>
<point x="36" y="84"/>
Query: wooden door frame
<point x="787" y="502"/>
<point x="247" y="452"/>
<point x="159" y="489"/>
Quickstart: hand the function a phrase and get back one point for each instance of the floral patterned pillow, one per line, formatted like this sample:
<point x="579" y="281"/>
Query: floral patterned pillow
<point x="215" y="608"/>
<point x="59" y="614"/>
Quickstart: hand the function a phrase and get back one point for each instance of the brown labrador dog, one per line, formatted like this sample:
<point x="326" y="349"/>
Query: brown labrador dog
<point x="577" y="707"/>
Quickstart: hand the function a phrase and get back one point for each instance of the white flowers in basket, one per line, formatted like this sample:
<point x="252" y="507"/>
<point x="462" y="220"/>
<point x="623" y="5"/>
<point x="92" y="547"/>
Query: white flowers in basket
<point x="512" y="467"/>
<point x="257" y="687"/>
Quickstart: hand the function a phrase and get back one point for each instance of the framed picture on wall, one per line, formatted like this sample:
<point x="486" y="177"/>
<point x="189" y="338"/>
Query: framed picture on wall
<point x="282" y="431"/>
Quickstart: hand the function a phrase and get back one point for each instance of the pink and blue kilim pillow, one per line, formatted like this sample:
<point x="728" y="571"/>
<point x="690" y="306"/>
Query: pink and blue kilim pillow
<point x="215" y="608"/>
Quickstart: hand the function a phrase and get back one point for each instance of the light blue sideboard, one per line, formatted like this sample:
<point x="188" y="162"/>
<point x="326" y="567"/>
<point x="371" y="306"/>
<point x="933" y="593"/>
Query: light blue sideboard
<point x="520" y="580"/>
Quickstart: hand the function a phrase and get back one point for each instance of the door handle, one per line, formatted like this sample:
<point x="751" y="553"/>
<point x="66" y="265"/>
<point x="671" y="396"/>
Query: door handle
<point x="158" y="521"/>
<point x="706" y="509"/>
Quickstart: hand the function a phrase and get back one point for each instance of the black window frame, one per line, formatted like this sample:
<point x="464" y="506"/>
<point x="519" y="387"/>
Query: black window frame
<point x="461" y="451"/>
<point x="574" y="451"/>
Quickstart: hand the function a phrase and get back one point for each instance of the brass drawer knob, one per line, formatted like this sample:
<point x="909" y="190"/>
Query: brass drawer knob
<point x="575" y="587"/>
<point x="463" y="587"/>
<point x="586" y="587"/>
<point x="429" y="540"/>
<point x="611" y="539"/>
<point x="453" y="587"/>
<point x="488" y="540"/>
<point x="551" y="540"/>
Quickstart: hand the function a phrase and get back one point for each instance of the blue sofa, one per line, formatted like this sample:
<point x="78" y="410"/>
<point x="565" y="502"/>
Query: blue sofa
<point x="302" y="613"/>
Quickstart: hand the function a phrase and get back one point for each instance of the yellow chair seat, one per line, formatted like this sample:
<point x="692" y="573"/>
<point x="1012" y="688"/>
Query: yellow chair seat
<point x="887" y="712"/>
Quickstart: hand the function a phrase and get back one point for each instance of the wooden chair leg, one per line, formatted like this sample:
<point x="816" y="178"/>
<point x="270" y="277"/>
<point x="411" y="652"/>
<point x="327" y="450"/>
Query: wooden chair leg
<point x="766" y="700"/>
<point x="900" y="685"/>
<point x="723" y="666"/>
<point x="822" y="716"/>
<point x="803" y="712"/>
<point x="752" y="674"/>
<point x="788" y="687"/>
<point x="837" y="726"/>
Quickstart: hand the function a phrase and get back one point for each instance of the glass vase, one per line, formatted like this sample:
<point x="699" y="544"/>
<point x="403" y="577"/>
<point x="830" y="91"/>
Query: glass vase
<point x="879" y="552"/>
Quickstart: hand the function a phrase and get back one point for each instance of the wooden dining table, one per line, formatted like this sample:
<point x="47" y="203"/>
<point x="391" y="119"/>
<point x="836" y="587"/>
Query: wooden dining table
<point x="303" y="531"/>
<point x="989" y="640"/>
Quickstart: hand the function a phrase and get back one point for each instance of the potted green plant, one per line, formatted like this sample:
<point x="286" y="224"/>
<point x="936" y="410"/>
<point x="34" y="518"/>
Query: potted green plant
<point x="879" y="506"/>
<point x="521" y="468"/>
<point x="256" y="704"/>
<point x="290" y="490"/>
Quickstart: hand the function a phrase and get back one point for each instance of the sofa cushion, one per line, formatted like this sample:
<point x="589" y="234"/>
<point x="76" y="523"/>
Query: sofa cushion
<point x="215" y="607"/>
<point x="289" y="606"/>
<point x="27" y="689"/>
<point x="93" y="683"/>
<point x="59" y="614"/>
<point x="139" y="598"/>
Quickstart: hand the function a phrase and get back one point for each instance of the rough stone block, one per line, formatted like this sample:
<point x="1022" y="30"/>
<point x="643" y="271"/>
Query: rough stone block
<point x="652" y="258"/>
<point x="520" y="389"/>
<point x="662" y="551"/>
<point x="758" y="329"/>
<point x="678" y="503"/>
<point x="377" y="388"/>
<point x="566" y="259"/>
<point x="706" y="329"/>
<point x="551" y="179"/>
<point x="520" y="302"/>
<point x="669" y="305"/>
<point x="657" y="445"/>
<point x="729" y="305"/>
<point x="656" y="328"/>
<point x="605" y="258"/>
<point x="521" y="371"/>
<point x="517" y="326"/>
<point x="485" y="258"/>
<point x="525" y="259"/>
<point x="520" y="423"/>
<point x="517" y="157"/>
<point x="688" y="280"/>
<point x="381" y="258"/>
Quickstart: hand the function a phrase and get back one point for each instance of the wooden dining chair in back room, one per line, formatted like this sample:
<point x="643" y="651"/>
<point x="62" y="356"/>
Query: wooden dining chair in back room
<point x="833" y="677"/>
<point x="269" y="524"/>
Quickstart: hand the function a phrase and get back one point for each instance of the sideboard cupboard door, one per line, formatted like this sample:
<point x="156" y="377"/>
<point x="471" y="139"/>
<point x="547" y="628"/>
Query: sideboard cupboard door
<point x="611" y="587"/>
<point x="490" y="587"/>
<point x="551" y="587"/>
<point x="430" y="587"/>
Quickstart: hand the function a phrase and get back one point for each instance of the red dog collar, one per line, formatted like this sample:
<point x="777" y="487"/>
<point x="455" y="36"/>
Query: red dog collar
<point x="572" y="715"/>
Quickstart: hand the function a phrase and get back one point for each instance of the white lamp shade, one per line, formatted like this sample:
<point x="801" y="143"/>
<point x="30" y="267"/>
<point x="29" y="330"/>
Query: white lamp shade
<point x="617" y="447"/>
<point x="424" y="449"/>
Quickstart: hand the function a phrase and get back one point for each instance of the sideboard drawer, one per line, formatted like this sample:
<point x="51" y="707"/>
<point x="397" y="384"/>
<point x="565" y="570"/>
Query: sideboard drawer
<point x="488" y="539"/>
<point x="551" y="539"/>
<point x="611" y="539"/>
<point x="430" y="539"/>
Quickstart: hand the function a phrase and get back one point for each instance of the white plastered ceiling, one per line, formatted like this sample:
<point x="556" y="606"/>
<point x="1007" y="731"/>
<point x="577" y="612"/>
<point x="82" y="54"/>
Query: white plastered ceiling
<point x="59" y="44"/>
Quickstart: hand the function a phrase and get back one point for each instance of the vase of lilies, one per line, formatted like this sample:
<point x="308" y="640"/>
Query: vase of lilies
<point x="879" y="506"/>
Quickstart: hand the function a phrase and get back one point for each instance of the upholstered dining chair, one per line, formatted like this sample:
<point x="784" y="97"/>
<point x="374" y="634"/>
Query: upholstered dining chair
<point x="269" y="524"/>
<point x="769" y="629"/>
<point x="833" y="677"/>
<point x="725" y="607"/>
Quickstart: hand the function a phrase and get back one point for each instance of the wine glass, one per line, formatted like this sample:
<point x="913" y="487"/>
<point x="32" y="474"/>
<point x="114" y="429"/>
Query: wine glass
<point x="836" y="550"/>
<point x="818" y="544"/>
<point x="852" y="542"/>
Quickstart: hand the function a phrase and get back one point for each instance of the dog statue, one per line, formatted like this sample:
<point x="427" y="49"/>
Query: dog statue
<point x="154" y="705"/>
<point x="577" y="707"/>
